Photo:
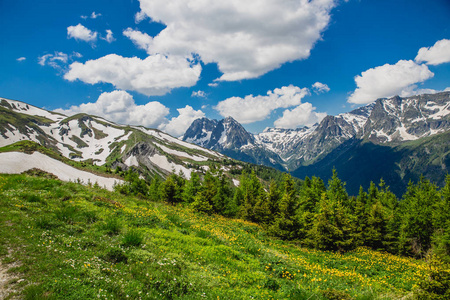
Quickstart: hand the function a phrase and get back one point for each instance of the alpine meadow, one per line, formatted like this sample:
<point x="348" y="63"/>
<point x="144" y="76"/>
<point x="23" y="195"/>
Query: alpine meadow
<point x="205" y="149"/>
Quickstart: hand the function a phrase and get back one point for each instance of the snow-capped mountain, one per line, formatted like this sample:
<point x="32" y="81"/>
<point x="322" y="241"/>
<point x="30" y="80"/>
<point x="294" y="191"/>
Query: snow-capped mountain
<point x="389" y="121"/>
<point x="93" y="139"/>
<point x="229" y="137"/>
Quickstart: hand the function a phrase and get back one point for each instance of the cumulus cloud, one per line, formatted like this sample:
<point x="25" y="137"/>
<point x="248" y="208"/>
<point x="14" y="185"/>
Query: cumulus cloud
<point x="178" y="125"/>
<point x="302" y="115"/>
<point x="120" y="107"/>
<point x="256" y="108"/>
<point x="155" y="75"/>
<point x="435" y="55"/>
<point x="109" y="36"/>
<point x="21" y="58"/>
<point x="79" y="32"/>
<point x="213" y="84"/>
<point x="140" y="39"/>
<point x="245" y="38"/>
<point x="319" y="88"/>
<point x="200" y="94"/>
<point x="388" y="80"/>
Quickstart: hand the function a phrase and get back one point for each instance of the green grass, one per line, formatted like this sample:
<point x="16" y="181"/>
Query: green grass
<point x="69" y="241"/>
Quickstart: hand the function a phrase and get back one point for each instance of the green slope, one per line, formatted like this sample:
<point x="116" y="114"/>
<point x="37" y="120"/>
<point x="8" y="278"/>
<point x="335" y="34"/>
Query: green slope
<point x="66" y="241"/>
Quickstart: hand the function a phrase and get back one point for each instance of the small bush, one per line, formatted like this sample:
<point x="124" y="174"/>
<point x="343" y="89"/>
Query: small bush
<point x="333" y="294"/>
<point x="116" y="255"/>
<point x="66" y="214"/>
<point x="46" y="223"/>
<point x="32" y="198"/>
<point x="132" y="238"/>
<point x="90" y="216"/>
<point x="34" y="292"/>
<point x="436" y="285"/>
<point x="272" y="284"/>
<point x="112" y="226"/>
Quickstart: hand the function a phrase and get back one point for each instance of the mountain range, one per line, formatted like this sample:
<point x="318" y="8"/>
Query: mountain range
<point x="396" y="139"/>
<point x="92" y="142"/>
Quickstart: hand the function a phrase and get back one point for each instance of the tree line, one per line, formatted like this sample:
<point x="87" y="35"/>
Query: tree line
<point x="315" y="214"/>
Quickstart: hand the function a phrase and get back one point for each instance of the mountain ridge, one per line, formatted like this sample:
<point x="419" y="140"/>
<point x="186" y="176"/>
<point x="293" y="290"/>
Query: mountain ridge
<point x="389" y="122"/>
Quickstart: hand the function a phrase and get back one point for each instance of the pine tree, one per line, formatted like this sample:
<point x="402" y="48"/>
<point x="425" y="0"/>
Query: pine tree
<point x="310" y="195"/>
<point x="360" y="214"/>
<point x="191" y="189"/>
<point x="417" y="228"/>
<point x="336" y="190"/>
<point x="222" y="199"/>
<point x="332" y="227"/>
<point x="286" y="224"/>
<point x="441" y="223"/>
<point x="153" y="190"/>
<point x="376" y="227"/>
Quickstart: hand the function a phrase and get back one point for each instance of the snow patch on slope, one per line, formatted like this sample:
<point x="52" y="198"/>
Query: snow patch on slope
<point x="17" y="162"/>
<point x="31" y="110"/>
<point x="162" y="162"/>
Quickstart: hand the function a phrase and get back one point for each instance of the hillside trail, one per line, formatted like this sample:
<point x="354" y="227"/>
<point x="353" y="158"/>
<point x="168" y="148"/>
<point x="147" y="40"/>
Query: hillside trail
<point x="5" y="278"/>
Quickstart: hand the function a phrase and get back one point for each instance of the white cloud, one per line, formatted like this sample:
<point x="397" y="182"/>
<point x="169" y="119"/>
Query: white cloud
<point x="302" y="115"/>
<point x="141" y="40"/>
<point x="109" y="36"/>
<point x="119" y="107"/>
<point x="58" y="60"/>
<point x="256" y="108"/>
<point x="388" y="80"/>
<point x="213" y="84"/>
<point x="92" y="16"/>
<point x="139" y="17"/>
<point x="413" y="90"/>
<point x="245" y="38"/>
<point x="76" y="54"/>
<point x="177" y="126"/>
<point x="155" y="75"/>
<point x="200" y="94"/>
<point x="319" y="87"/>
<point x="435" y="55"/>
<point x="21" y="58"/>
<point x="95" y="16"/>
<point x="79" y="32"/>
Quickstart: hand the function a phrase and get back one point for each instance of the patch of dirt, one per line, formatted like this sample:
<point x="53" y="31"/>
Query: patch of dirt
<point x="5" y="278"/>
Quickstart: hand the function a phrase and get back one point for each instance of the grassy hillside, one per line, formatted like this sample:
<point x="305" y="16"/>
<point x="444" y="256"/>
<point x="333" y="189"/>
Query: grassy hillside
<point x="67" y="241"/>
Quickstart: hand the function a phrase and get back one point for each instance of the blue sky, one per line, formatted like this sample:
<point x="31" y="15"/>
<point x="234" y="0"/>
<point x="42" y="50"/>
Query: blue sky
<point x="163" y="63"/>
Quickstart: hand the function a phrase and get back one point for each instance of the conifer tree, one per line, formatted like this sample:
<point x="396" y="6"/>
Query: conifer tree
<point x="441" y="223"/>
<point x="310" y="195"/>
<point x="376" y="227"/>
<point x="191" y="188"/>
<point x="359" y="212"/>
<point x="336" y="190"/>
<point x="153" y="191"/>
<point x="286" y="224"/>
<point x="416" y="228"/>
<point x="222" y="199"/>
<point x="171" y="190"/>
